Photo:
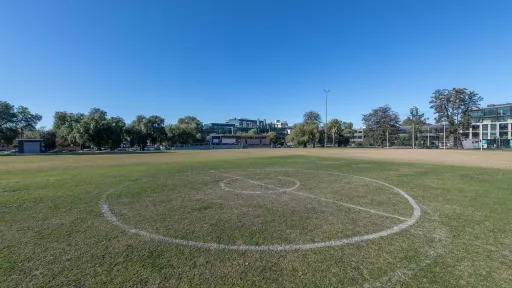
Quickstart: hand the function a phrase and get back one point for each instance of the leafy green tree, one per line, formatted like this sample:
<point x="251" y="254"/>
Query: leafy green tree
<point x="378" y="122"/>
<point x="305" y="133"/>
<point x="312" y="116"/>
<point x="93" y="128"/>
<point x="32" y="134"/>
<point x="66" y="127"/>
<point x="347" y="131"/>
<point x="272" y="136"/>
<point x="190" y="129"/>
<point x="49" y="138"/>
<point x="172" y="134"/>
<point x="417" y="120"/>
<point x="144" y="129"/>
<point x="154" y="127"/>
<point x="253" y="132"/>
<point x="14" y="121"/>
<point x="289" y="139"/>
<point x="115" y="129"/>
<point x="404" y="140"/>
<point x="191" y="123"/>
<point x="334" y="128"/>
<point x="452" y="107"/>
<point x="135" y="132"/>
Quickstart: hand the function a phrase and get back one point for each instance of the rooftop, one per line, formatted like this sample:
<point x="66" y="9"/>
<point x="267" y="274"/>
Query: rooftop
<point x="499" y="105"/>
<point x="30" y="140"/>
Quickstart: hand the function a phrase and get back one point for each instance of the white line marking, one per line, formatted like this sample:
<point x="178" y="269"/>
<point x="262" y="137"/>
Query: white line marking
<point x="223" y="184"/>
<point x="416" y="214"/>
<point x="305" y="194"/>
<point x="350" y="205"/>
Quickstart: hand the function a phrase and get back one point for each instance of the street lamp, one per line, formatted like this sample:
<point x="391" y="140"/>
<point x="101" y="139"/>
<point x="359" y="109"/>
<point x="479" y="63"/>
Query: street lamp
<point x="325" y="124"/>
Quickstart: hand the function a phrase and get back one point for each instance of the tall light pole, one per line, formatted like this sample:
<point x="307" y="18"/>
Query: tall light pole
<point x="325" y="124"/>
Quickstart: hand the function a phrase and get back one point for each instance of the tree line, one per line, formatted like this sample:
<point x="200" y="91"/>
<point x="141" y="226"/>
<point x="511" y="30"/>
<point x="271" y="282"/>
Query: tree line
<point x="311" y="132"/>
<point x="451" y="107"/>
<point x="381" y="125"/>
<point x="97" y="129"/>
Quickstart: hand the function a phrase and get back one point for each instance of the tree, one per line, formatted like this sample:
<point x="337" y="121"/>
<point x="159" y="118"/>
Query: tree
<point x="272" y="136"/>
<point x="93" y="128"/>
<point x="347" y="132"/>
<point x="334" y="128"/>
<point x="66" y="127"/>
<point x="154" y="127"/>
<point x="417" y="121"/>
<point x="190" y="130"/>
<point x="305" y="133"/>
<point x="378" y="122"/>
<point x="192" y="122"/>
<point x="135" y="133"/>
<point x="312" y="116"/>
<point x="144" y="129"/>
<point x="14" y="121"/>
<point x="253" y="132"/>
<point x="49" y="138"/>
<point x="452" y="107"/>
<point x="115" y="129"/>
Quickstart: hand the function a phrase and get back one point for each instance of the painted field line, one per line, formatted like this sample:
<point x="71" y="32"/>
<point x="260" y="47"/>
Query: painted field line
<point x="276" y="247"/>
<point x="259" y="183"/>
<point x="321" y="198"/>
<point x="350" y="205"/>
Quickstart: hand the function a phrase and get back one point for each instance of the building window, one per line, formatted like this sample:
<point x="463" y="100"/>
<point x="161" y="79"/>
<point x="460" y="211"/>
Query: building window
<point x="503" y="127"/>
<point x="493" y="130"/>
<point x="490" y="112"/>
<point x="504" y="111"/>
<point x="485" y="130"/>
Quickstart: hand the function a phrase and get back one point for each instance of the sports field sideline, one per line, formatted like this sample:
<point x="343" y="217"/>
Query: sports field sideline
<point x="258" y="217"/>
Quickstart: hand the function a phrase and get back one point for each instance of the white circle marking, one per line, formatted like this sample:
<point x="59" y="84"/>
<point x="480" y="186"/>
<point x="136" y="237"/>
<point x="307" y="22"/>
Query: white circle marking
<point x="285" y="247"/>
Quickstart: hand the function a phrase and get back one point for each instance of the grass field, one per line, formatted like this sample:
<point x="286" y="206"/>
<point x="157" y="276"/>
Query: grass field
<point x="262" y="217"/>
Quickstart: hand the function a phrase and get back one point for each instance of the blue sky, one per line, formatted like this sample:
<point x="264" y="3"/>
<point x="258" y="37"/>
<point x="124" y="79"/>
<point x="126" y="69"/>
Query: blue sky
<point x="256" y="59"/>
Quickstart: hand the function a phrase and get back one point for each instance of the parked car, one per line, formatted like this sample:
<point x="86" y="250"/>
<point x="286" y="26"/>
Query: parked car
<point x="120" y="149"/>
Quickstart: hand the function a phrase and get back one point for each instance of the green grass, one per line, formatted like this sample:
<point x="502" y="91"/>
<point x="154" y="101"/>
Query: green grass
<point x="53" y="232"/>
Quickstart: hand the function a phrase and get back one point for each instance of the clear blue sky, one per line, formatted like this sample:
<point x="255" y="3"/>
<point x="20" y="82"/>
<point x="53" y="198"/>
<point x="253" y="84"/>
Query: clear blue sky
<point x="267" y="59"/>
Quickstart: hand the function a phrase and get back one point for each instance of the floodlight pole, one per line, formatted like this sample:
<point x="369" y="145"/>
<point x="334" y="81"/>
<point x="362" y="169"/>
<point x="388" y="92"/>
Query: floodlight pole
<point x="325" y="124"/>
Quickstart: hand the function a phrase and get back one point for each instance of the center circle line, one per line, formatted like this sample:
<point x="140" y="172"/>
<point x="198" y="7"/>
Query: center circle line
<point x="107" y="213"/>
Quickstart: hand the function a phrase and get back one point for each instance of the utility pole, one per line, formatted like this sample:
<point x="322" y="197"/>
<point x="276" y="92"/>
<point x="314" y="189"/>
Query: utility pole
<point x="325" y="124"/>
